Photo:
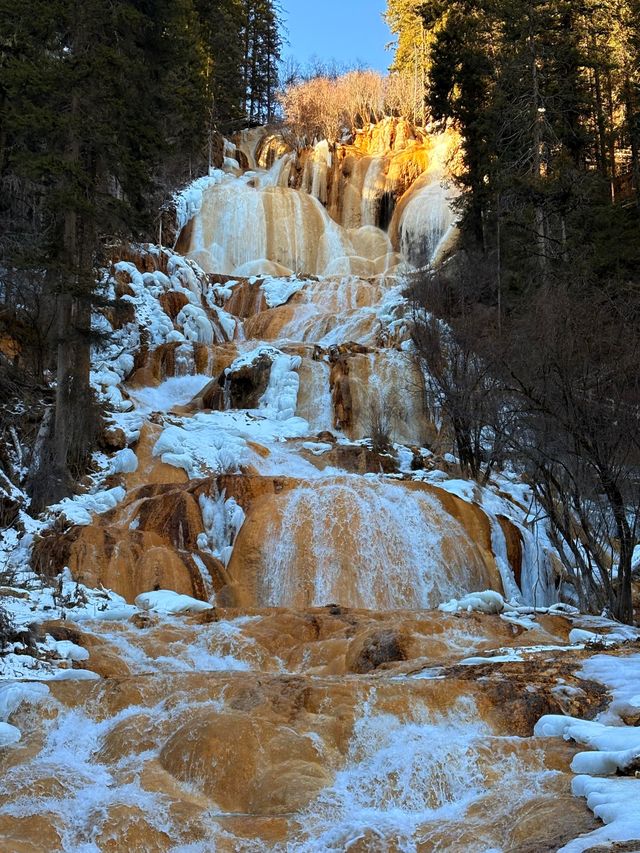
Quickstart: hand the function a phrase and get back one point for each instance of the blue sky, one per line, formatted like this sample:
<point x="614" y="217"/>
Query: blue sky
<point x="345" y="30"/>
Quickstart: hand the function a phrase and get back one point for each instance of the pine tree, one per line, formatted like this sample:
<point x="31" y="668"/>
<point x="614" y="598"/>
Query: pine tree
<point x="221" y="24"/>
<point x="406" y="20"/>
<point x="85" y="98"/>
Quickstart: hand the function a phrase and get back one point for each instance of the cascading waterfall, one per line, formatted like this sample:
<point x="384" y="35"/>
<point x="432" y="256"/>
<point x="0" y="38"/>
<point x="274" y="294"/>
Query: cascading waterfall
<point x="255" y="223"/>
<point x="372" y="191"/>
<point x="427" y="223"/>
<point x="310" y="705"/>
<point x="414" y="776"/>
<point x="314" y="395"/>
<point x="362" y="543"/>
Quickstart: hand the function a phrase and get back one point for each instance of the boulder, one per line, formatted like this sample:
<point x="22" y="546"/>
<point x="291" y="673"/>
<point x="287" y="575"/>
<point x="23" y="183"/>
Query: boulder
<point x="113" y="438"/>
<point x="245" y="385"/>
<point x="374" y="648"/>
<point x="246" y="762"/>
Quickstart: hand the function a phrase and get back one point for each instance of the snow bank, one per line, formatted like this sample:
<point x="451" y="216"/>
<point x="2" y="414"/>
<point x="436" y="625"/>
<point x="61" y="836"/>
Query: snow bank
<point x="622" y="676"/>
<point x="216" y="442"/>
<point x="463" y="489"/>
<point x="614" y="748"/>
<point x="80" y="508"/>
<point x="167" y="601"/>
<point x="66" y="600"/>
<point x="616" y="802"/>
<point x="488" y="601"/>
<point x="200" y="446"/>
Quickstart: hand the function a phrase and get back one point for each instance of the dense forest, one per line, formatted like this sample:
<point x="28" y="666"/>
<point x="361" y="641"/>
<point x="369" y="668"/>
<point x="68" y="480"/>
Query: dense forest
<point x="105" y="108"/>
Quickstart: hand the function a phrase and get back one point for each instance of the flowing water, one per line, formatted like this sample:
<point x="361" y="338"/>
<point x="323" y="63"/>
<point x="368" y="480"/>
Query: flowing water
<point x="318" y="706"/>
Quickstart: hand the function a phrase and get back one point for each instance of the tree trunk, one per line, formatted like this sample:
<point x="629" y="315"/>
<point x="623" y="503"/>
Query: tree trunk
<point x="634" y="136"/>
<point x="538" y="120"/>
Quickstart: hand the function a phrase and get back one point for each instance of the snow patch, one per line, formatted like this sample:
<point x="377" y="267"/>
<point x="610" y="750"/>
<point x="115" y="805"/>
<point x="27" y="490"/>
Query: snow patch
<point x="488" y="601"/>
<point x="167" y="601"/>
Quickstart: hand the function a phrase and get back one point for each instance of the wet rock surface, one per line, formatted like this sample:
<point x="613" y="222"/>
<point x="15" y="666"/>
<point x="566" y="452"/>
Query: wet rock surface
<point x="251" y="754"/>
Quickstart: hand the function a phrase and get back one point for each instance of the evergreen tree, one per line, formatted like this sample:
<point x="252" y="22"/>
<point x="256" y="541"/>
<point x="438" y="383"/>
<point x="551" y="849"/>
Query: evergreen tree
<point x="262" y="44"/>
<point x="222" y="42"/>
<point x="411" y="56"/>
<point x="85" y="99"/>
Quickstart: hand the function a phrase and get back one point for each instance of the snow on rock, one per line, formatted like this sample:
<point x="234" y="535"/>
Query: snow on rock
<point x="14" y="694"/>
<point x="188" y="202"/>
<point x="226" y="321"/>
<point x="616" y="802"/>
<point x="278" y="291"/>
<point x="66" y="650"/>
<point x="124" y="462"/>
<point x="580" y="636"/>
<point x="463" y="489"/>
<point x="614" y="748"/>
<point x="74" y="675"/>
<point x="192" y="323"/>
<point x="248" y="358"/>
<point x="488" y="601"/>
<point x="174" y="391"/>
<point x="80" y="508"/>
<point x="9" y="735"/>
<point x="167" y="601"/>
<point x="317" y="447"/>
